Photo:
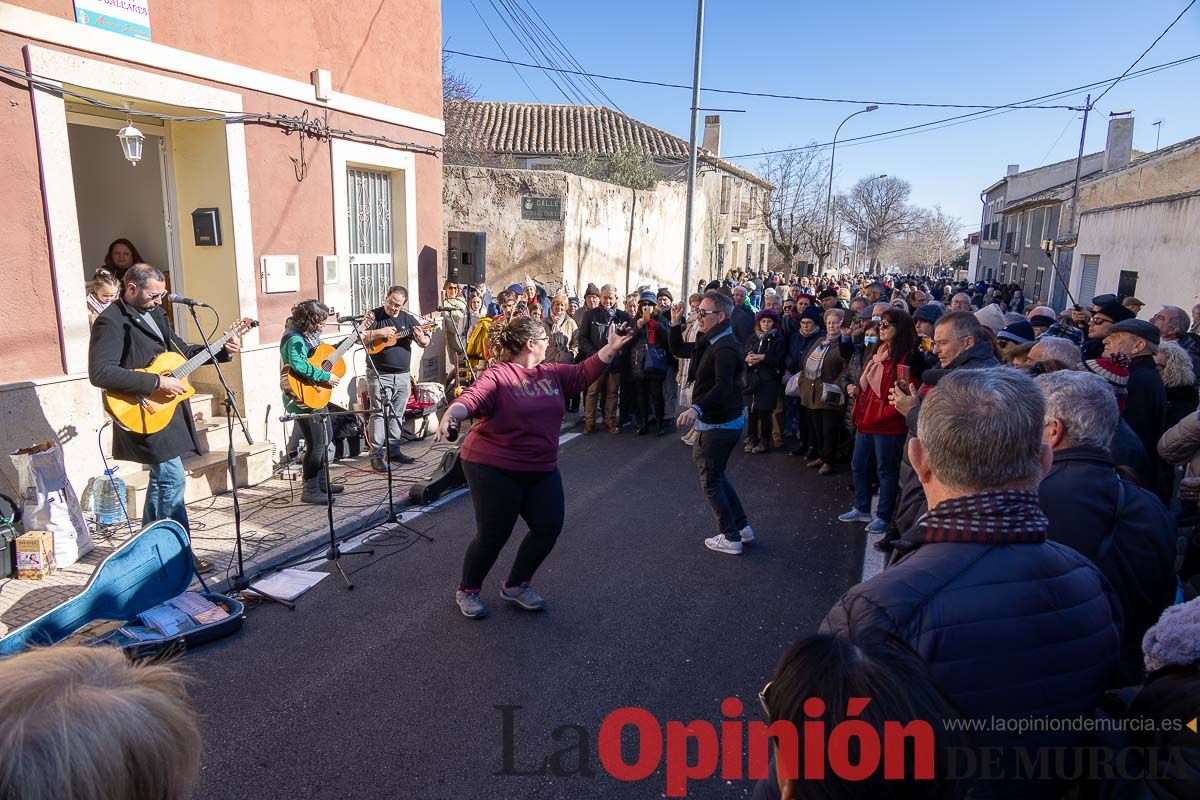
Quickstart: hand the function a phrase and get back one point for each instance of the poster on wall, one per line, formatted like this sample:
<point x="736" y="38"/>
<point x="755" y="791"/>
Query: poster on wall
<point x="126" y="17"/>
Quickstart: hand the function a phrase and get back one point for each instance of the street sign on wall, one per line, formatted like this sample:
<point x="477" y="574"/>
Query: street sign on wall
<point x="533" y="207"/>
<point x="126" y="17"/>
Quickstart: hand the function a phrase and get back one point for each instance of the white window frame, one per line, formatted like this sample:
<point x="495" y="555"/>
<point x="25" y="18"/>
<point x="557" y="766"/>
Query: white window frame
<point x="402" y="167"/>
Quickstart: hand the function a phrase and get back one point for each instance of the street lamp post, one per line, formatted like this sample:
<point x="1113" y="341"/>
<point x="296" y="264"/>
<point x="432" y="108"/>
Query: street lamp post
<point x="691" y="187"/>
<point x="867" y="241"/>
<point x="832" y="156"/>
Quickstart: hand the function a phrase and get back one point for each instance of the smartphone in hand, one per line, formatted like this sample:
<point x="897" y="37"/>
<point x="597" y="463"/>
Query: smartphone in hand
<point x="904" y="374"/>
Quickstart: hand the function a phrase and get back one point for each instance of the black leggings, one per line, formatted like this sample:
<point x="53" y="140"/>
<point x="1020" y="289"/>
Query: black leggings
<point x="649" y="390"/>
<point x="500" y="496"/>
<point x="824" y="427"/>
<point x="315" y="443"/>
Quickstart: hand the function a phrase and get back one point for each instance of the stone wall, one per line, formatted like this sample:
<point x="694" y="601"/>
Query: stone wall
<point x="607" y="234"/>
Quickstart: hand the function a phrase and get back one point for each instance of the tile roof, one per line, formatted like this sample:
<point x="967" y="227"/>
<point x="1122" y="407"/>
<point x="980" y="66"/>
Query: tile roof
<point x="540" y="129"/>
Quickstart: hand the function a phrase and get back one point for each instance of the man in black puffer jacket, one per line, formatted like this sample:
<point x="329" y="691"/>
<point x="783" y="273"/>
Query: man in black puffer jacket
<point x="1012" y="625"/>
<point x="1123" y="529"/>
<point x="715" y="371"/>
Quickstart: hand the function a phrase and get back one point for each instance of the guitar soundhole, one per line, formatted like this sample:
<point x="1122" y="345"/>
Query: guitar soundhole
<point x="325" y="365"/>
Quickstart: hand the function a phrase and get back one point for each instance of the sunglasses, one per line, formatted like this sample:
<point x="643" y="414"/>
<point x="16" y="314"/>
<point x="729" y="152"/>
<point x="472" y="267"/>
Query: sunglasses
<point x="883" y="326"/>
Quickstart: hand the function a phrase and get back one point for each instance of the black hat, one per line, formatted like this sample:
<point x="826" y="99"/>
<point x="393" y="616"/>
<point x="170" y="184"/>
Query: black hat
<point x="1041" y="321"/>
<point x="591" y="291"/>
<point x="1103" y="299"/>
<point x="1116" y="311"/>
<point x="712" y="286"/>
<point x="827" y="293"/>
<point x="1020" y="332"/>
<point x="665" y="292"/>
<point x="1138" y="327"/>
<point x="930" y="312"/>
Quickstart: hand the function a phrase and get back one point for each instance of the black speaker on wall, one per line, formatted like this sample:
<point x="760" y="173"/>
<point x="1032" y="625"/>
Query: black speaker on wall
<point x="466" y="256"/>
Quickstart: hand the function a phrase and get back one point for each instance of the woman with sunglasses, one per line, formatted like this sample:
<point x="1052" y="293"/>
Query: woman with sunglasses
<point x="881" y="429"/>
<point x="510" y="459"/>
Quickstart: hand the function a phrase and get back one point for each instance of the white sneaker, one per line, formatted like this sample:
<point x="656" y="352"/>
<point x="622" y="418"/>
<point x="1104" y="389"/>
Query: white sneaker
<point x="723" y="545"/>
<point x="747" y="534"/>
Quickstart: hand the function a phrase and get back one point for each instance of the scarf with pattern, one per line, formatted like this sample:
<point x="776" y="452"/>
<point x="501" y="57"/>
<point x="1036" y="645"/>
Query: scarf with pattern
<point x="998" y="516"/>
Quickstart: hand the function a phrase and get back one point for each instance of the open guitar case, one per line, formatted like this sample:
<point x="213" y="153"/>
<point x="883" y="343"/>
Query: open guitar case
<point x="145" y="572"/>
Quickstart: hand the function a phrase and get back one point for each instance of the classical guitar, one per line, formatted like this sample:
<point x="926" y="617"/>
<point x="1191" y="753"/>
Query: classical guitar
<point x="328" y="358"/>
<point x="379" y="345"/>
<point x="151" y="413"/>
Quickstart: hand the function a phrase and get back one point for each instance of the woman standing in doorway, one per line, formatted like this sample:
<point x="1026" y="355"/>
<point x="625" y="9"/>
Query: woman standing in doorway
<point x="120" y="257"/>
<point x="510" y="458"/>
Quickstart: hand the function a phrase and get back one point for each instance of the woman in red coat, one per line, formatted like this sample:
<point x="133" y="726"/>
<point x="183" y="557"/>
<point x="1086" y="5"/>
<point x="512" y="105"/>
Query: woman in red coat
<point x="881" y="431"/>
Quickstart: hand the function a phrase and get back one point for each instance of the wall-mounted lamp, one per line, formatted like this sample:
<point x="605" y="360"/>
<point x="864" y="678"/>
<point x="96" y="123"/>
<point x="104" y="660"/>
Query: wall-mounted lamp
<point x="131" y="143"/>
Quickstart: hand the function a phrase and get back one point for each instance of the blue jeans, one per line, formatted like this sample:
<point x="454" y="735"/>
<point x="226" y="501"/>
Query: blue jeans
<point x="877" y="452"/>
<point x="164" y="493"/>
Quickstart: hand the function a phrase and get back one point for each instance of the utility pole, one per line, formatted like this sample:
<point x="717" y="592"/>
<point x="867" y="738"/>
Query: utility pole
<point x="691" y="188"/>
<point x="1157" y="133"/>
<point x="1087" y="106"/>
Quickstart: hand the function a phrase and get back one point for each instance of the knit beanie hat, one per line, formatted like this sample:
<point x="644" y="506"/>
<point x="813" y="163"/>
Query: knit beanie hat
<point x="1175" y="639"/>
<point x="991" y="317"/>
<point x="767" y="313"/>
<point x="665" y="292"/>
<point x="1018" y="332"/>
<point x="930" y="312"/>
<point x="591" y="291"/>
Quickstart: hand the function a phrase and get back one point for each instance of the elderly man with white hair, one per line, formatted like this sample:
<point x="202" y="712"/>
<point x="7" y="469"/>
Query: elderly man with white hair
<point x="1123" y="529"/>
<point x="1055" y="348"/>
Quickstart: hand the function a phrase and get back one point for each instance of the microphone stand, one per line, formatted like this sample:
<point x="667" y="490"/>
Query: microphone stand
<point x="239" y="582"/>
<point x="335" y="553"/>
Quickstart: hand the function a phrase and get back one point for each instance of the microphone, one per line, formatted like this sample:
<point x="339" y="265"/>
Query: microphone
<point x="185" y="301"/>
<point x="348" y="318"/>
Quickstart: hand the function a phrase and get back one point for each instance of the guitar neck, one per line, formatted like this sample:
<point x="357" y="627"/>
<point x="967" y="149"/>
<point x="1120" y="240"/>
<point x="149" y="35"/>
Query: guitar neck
<point x="198" y="360"/>
<point x="342" y="348"/>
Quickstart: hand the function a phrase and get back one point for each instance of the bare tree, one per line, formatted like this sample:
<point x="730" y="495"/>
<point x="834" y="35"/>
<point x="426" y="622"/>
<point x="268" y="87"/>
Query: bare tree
<point x="932" y="240"/>
<point x="878" y="209"/>
<point x="456" y="85"/>
<point x="795" y="216"/>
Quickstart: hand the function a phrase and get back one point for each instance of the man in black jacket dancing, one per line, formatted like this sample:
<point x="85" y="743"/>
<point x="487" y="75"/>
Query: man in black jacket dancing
<point x="716" y="369"/>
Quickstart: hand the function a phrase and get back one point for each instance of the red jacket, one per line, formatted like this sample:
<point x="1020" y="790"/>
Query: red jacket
<point x="873" y="413"/>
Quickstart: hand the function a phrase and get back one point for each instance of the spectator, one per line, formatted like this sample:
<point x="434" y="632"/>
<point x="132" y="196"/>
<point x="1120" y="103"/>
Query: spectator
<point x="901" y="691"/>
<point x="879" y="442"/>
<point x="591" y="300"/>
<point x="103" y="289"/>
<point x="1195" y="319"/>
<point x="822" y="393"/>
<point x="1134" y="305"/>
<point x="1018" y="354"/>
<point x="1015" y="333"/>
<point x="961" y="302"/>
<point x="1146" y="405"/>
<point x="1172" y="324"/>
<point x="807" y="333"/>
<point x="648" y="364"/>
<point x="1055" y="348"/>
<point x="120" y="257"/>
<point x="1098" y="325"/>
<point x="991" y="317"/>
<point x="1175" y="369"/>
<point x="592" y="339"/>
<point x="1123" y="529"/>
<point x="766" y="351"/>
<point x="85" y="722"/>
<point x="743" y="316"/>
<point x="563" y="344"/>
<point x="1011" y="624"/>
<point x="1127" y="450"/>
<point x="691" y="329"/>
<point x="1041" y="324"/>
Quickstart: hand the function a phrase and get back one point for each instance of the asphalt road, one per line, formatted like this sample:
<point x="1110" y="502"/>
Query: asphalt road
<point x="388" y="692"/>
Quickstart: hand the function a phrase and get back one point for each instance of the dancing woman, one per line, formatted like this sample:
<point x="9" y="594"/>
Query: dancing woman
<point x="510" y="458"/>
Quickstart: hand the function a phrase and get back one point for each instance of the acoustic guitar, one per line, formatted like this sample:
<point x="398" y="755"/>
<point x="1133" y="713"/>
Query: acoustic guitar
<point x="379" y="345"/>
<point x="151" y="413"/>
<point x="328" y="358"/>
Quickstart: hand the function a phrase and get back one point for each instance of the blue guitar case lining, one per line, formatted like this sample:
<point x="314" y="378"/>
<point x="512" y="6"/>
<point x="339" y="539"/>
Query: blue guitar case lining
<point x="146" y="571"/>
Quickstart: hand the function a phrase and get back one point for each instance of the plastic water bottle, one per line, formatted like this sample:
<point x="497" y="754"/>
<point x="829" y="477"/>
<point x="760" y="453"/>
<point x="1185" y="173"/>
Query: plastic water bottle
<point x="108" y="498"/>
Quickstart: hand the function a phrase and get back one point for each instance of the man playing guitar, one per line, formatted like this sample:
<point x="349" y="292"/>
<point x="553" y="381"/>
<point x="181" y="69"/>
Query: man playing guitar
<point x="128" y="335"/>
<point x="391" y="381"/>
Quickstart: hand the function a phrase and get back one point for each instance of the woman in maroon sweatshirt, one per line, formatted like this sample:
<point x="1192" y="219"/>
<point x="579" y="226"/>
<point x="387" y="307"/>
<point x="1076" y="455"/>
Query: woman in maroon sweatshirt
<point x="510" y="458"/>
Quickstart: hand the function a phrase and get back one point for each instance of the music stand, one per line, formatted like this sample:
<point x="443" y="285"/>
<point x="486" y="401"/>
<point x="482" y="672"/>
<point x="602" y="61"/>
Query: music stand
<point x="239" y="582"/>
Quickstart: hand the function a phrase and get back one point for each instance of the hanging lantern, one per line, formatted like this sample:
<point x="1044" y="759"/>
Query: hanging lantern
<point x="131" y="143"/>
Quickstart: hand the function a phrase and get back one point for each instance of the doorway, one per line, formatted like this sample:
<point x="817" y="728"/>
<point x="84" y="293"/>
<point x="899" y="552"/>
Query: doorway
<point x="117" y="200"/>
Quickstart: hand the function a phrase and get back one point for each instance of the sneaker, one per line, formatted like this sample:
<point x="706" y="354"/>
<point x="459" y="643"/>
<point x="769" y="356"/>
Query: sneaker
<point x="854" y="515"/>
<point x="759" y="448"/>
<point x="400" y="458"/>
<point x="749" y="448"/>
<point x="470" y="604"/>
<point x="877" y="526"/>
<point x="747" y="534"/>
<point x="522" y="596"/>
<point x="722" y="545"/>
<point x="813" y="463"/>
<point x="826" y="469"/>
<point x="378" y="464"/>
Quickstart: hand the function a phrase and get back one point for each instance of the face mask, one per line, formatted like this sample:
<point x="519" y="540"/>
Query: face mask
<point x="870" y="340"/>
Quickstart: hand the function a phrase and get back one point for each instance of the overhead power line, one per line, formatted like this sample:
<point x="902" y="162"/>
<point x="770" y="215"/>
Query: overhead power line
<point x="960" y="118"/>
<point x="743" y="93"/>
<point x="502" y="50"/>
<point x="1147" y="50"/>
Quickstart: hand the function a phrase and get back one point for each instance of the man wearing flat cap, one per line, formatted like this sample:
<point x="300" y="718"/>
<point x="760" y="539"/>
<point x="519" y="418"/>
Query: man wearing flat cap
<point x="1146" y="403"/>
<point x="1099" y="325"/>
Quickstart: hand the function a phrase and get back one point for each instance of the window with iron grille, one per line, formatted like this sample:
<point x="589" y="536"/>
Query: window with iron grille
<point x="369" y="213"/>
<point x="721" y="259"/>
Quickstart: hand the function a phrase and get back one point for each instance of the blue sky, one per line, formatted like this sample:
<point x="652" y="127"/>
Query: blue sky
<point x="939" y="52"/>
